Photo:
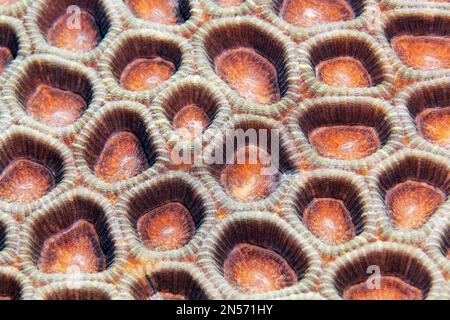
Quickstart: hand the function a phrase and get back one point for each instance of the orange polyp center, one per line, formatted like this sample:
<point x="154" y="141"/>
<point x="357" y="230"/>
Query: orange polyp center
<point x="123" y="157"/>
<point x="345" y="142"/>
<point x="390" y="288"/>
<point x="344" y="72"/>
<point x="7" y="2"/>
<point x="168" y="227"/>
<point x="145" y="74"/>
<point x="423" y="52"/>
<point x="255" y="269"/>
<point x="24" y="180"/>
<point x="5" y="58"/>
<point x="6" y="298"/>
<point x="329" y="220"/>
<point x="157" y="11"/>
<point x="229" y="3"/>
<point x="434" y="125"/>
<point x="76" y="32"/>
<point x="55" y="107"/>
<point x="251" y="175"/>
<point x="308" y="13"/>
<point x="167" y="296"/>
<point x="253" y="76"/>
<point x="411" y="203"/>
<point x="74" y="250"/>
<point x="191" y="121"/>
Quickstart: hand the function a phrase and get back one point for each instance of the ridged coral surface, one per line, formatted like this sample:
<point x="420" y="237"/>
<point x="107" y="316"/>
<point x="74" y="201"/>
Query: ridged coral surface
<point x="224" y="149"/>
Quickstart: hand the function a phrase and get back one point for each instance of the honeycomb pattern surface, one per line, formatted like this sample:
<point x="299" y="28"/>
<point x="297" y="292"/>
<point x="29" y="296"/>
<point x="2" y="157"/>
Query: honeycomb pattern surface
<point x="224" y="149"/>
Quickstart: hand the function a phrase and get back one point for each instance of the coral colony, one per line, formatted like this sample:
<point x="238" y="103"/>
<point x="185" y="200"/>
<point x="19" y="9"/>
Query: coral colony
<point x="224" y="149"/>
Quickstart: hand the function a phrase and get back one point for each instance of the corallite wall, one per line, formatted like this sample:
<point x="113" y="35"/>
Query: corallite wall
<point x="224" y="149"/>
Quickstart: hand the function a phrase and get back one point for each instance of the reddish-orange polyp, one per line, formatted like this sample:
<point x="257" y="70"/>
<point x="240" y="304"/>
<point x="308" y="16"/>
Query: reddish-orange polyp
<point x="6" y="298"/>
<point x="390" y="288"/>
<point x="229" y="3"/>
<point x="411" y="203"/>
<point x="191" y="120"/>
<point x="254" y="269"/>
<point x="24" y="180"/>
<point x="434" y="125"/>
<point x="146" y="73"/>
<point x="345" y="142"/>
<point x="249" y="73"/>
<point x="75" y="32"/>
<point x="76" y="249"/>
<point x="308" y="13"/>
<point x="423" y="52"/>
<point x="157" y="11"/>
<point x="329" y="220"/>
<point x="5" y="58"/>
<point x="123" y="157"/>
<point x="167" y="227"/>
<point x="55" y="107"/>
<point x="250" y="178"/>
<point x="7" y="2"/>
<point x="344" y="72"/>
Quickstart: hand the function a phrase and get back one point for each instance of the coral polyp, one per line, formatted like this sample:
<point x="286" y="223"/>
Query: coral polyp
<point x="73" y="250"/>
<point x="77" y="34"/>
<point x="434" y="125"/>
<point x="167" y="227"/>
<point x="24" y="180"/>
<point x="343" y="72"/>
<point x="250" y="74"/>
<point x="249" y="178"/>
<point x="423" y="52"/>
<point x="254" y="269"/>
<point x="164" y="12"/>
<point x="329" y="220"/>
<point x="122" y="157"/>
<point x="144" y="74"/>
<point x="308" y="13"/>
<point x="388" y="288"/>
